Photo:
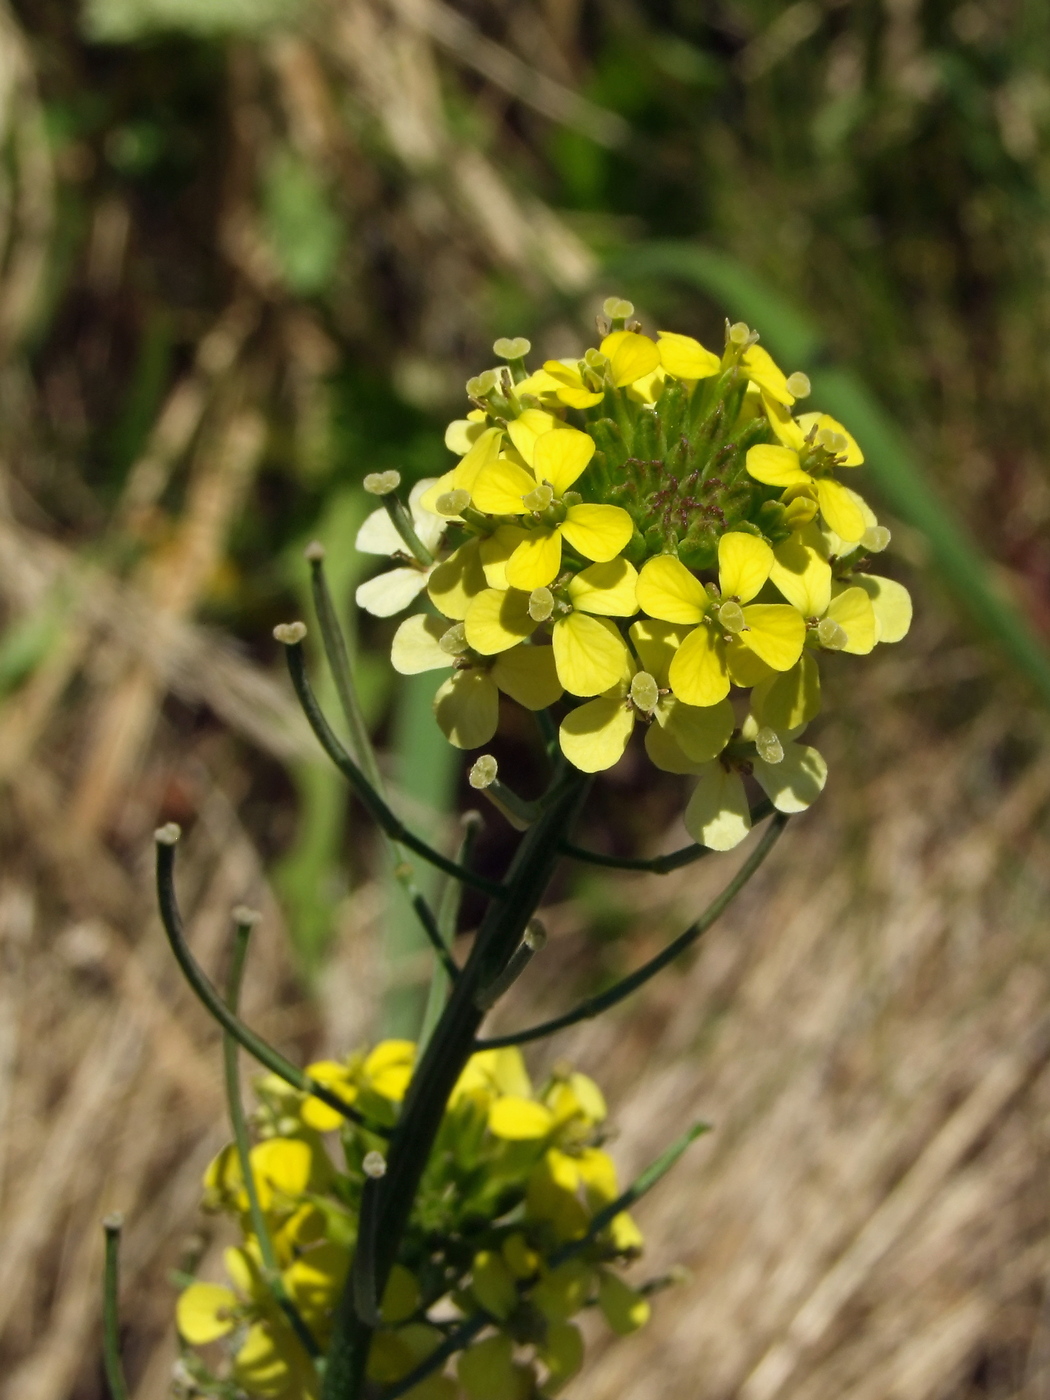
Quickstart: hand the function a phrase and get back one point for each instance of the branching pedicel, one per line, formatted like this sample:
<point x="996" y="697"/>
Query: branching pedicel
<point x="651" y="532"/>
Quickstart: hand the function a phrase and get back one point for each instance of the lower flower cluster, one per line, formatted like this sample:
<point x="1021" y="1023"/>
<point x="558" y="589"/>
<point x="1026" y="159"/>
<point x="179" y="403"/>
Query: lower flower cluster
<point x="501" y="1233"/>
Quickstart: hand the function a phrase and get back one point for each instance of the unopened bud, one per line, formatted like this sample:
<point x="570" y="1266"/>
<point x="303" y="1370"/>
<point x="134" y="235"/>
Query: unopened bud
<point x="617" y="309"/>
<point x="767" y="742"/>
<point x="739" y="333"/>
<point x="483" y="773"/>
<point x="644" y="692"/>
<point x="831" y="634"/>
<point x="453" y="502"/>
<point x="374" y="1165"/>
<point x="875" y="539"/>
<point x="289" y="633"/>
<point x="541" y="604"/>
<point x="539" y="499"/>
<point x="382" y="483"/>
<point x="535" y="935"/>
<point x="167" y="834"/>
<point x="245" y="917"/>
<point x="314" y="552"/>
<point x="798" y="385"/>
<point x="731" y="616"/>
<point x="515" y="349"/>
<point x="454" y="640"/>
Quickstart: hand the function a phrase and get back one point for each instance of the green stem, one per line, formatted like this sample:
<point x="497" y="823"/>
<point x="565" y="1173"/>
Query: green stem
<point x="448" y="917"/>
<point x="402" y="523"/>
<point x="594" y="1006"/>
<point x="656" y="865"/>
<point x="118" y="1386"/>
<point x="271" y="1269"/>
<point x="391" y="824"/>
<point x="213" y="1002"/>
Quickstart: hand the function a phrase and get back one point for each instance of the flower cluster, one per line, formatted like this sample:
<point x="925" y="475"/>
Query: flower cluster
<point x="653" y="531"/>
<point x="500" y="1228"/>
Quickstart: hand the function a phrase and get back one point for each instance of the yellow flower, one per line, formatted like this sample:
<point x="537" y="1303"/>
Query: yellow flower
<point x="490" y="1073"/>
<point x="487" y="1371"/>
<point x="392" y="592"/>
<point x="686" y="358"/>
<point x="388" y="1069"/>
<point x="825" y="444"/>
<point x="205" y="1312"/>
<point x="625" y="1309"/>
<point x="520" y="1120"/>
<point x="703" y="665"/>
<point x="337" y="1077"/>
<point x="556" y="459"/>
<point x="631" y="357"/>
<point x="594" y="736"/>
<point x="272" y="1365"/>
<point x="467" y="704"/>
<point x="589" y="653"/>
<point x="561" y="1352"/>
<point x="480" y="453"/>
<point x="842" y="617"/>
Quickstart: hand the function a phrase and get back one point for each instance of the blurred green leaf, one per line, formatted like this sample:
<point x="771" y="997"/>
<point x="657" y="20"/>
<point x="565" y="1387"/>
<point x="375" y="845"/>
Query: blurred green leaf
<point x="304" y="231"/>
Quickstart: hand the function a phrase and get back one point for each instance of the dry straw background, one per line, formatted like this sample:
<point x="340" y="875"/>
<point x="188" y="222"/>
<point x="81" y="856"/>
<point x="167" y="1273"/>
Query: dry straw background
<point x="867" y="1027"/>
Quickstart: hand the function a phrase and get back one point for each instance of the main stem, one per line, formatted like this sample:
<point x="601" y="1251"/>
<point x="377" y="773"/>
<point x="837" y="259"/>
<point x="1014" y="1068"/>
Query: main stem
<point x="443" y="1060"/>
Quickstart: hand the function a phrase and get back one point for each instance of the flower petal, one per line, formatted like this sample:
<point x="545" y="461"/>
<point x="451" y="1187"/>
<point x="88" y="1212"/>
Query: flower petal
<point x="428" y="524"/>
<point x="481" y="455"/>
<point x="498" y="620"/>
<point x="802" y="574"/>
<point x="744" y="562"/>
<point x="561" y="456"/>
<point x="656" y="643"/>
<point x="589" y="653"/>
<point x="853" y="456"/>
<point x="536" y="561"/>
<point x="701" y="732"/>
<point x="500" y="487"/>
<point x="685" y="357"/>
<point x="789" y="698"/>
<point x="796" y="781"/>
<point x="760" y="368"/>
<point x="457" y="582"/>
<point x="495" y="550"/>
<point x="667" y="754"/>
<point x="519" y="1120"/>
<point x="594" y="736"/>
<point x="609" y="589"/>
<point x="202" y="1313"/>
<point x="624" y="1308"/>
<point x="892" y="604"/>
<point x="467" y="708"/>
<point x="377" y="534"/>
<point x="461" y="435"/>
<point x="840" y="510"/>
<point x="668" y="591"/>
<point x="775" y="466"/>
<point x="718" y="814"/>
<point x="746" y="667"/>
<point x="852" y="609"/>
<point x="784" y="426"/>
<point x="527" y="427"/>
<point x="698" y="672"/>
<point x="528" y="675"/>
<point x="776" y="632"/>
<point x="631" y="356"/>
<point x="597" y="532"/>
<point x="415" y="646"/>
<point x="392" y="592"/>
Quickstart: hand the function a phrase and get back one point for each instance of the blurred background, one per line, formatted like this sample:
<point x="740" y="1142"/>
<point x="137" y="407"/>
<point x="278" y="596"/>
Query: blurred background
<point x="251" y="250"/>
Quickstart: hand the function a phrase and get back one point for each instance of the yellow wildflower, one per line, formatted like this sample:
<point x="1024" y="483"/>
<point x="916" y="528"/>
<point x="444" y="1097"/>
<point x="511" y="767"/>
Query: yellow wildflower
<point x="825" y="445"/>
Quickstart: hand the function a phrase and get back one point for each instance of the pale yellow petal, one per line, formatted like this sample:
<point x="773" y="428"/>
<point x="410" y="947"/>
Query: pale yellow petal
<point x="656" y="643"/>
<point x="501" y="487"/>
<point x="775" y="466"/>
<point x="892" y="604"/>
<point x="631" y="356"/>
<point x="461" y="435"/>
<point x="594" y="736"/>
<point x="560" y="457"/>
<point x="597" y="532"/>
<point x="783" y="424"/>
<point x="455" y="583"/>
<point x="852" y="609"/>
<point x="536" y="561"/>
<point x="441" y="487"/>
<point x="698" y="673"/>
<point x="609" y="589"/>
<point x="840" y="510"/>
<point x="853" y="456"/>
<point x="789" y="698"/>
<point x="685" y="357"/>
<point x="527" y="427"/>
<point x="624" y="1308"/>
<point x="796" y="781"/>
<point x="666" y="753"/>
<point x="467" y="709"/>
<point x="204" y="1312"/>
<point x="528" y="675"/>
<point x="761" y="369"/>
<point x="519" y="1120"/>
<point x="391" y="592"/>
<point x="495" y="551"/>
<point x="718" y="814"/>
<point x="415" y="647"/>
<point x="498" y="620"/>
<point x="701" y="732"/>
<point x="481" y="455"/>
<point x="668" y="591"/>
<point x="776" y="632"/>
<point x="746" y="668"/>
<point x="744" y="562"/>
<point x="802" y="575"/>
<point x="589" y="653"/>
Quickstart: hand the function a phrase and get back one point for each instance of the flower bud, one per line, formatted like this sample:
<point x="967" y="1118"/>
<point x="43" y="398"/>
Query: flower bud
<point x="731" y="616"/>
<point x="539" y="499"/>
<point x="382" y="483"/>
<point x="799" y="512"/>
<point x="875" y="539"/>
<point x="483" y="773"/>
<point x="831" y="634"/>
<point x="374" y="1165"/>
<point x="453" y="502"/>
<point x="644" y="692"/>
<point x="798" y="385"/>
<point x="515" y="349"/>
<point x="767" y="742"/>
<point x="541" y="604"/>
<point x="617" y="309"/>
<point x="454" y="641"/>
